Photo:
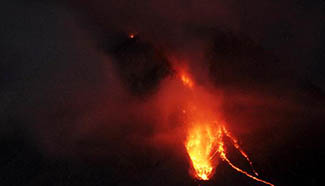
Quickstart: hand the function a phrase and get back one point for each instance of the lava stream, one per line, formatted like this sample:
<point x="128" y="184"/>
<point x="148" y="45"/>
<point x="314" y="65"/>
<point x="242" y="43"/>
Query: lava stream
<point x="223" y="156"/>
<point x="204" y="141"/>
<point x="236" y="145"/>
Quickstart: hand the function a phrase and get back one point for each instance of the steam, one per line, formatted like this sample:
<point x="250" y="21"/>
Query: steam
<point x="75" y="102"/>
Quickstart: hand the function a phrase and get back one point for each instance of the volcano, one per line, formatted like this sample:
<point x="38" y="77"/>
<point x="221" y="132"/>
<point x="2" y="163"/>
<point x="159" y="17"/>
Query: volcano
<point x="161" y="93"/>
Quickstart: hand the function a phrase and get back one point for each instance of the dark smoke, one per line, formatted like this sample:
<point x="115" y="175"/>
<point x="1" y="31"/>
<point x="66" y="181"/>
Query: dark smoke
<point x="84" y="104"/>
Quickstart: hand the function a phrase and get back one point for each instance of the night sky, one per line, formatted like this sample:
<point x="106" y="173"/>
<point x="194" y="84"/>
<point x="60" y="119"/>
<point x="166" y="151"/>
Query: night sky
<point x="80" y="101"/>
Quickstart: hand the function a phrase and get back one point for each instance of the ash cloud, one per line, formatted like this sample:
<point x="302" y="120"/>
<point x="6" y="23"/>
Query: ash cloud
<point x="76" y="88"/>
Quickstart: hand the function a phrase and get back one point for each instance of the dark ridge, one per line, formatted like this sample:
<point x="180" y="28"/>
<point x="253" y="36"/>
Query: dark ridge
<point x="140" y="65"/>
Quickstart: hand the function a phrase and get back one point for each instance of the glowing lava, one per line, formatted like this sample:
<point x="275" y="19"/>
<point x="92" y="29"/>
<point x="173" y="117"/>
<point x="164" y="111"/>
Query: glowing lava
<point x="187" y="81"/>
<point x="204" y="142"/>
<point x="199" y="146"/>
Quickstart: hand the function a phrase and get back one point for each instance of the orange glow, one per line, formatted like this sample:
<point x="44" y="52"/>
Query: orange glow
<point x="222" y="154"/>
<point x="204" y="142"/>
<point x="131" y="35"/>
<point x="199" y="145"/>
<point x="236" y="145"/>
<point x="187" y="81"/>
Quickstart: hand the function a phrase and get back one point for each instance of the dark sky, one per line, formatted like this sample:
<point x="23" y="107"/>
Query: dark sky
<point x="78" y="97"/>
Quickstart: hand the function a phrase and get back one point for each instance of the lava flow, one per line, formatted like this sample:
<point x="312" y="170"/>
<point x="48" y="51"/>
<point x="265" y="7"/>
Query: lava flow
<point x="205" y="134"/>
<point x="199" y="146"/>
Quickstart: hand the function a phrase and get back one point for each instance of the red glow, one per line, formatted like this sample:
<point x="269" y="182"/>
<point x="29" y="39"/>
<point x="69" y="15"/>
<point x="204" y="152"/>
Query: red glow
<point x="131" y="35"/>
<point x="205" y="132"/>
<point x="187" y="81"/>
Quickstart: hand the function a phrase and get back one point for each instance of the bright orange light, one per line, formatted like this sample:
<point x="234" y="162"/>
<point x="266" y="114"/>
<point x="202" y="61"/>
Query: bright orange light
<point x="204" y="142"/>
<point x="187" y="81"/>
<point x="199" y="144"/>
